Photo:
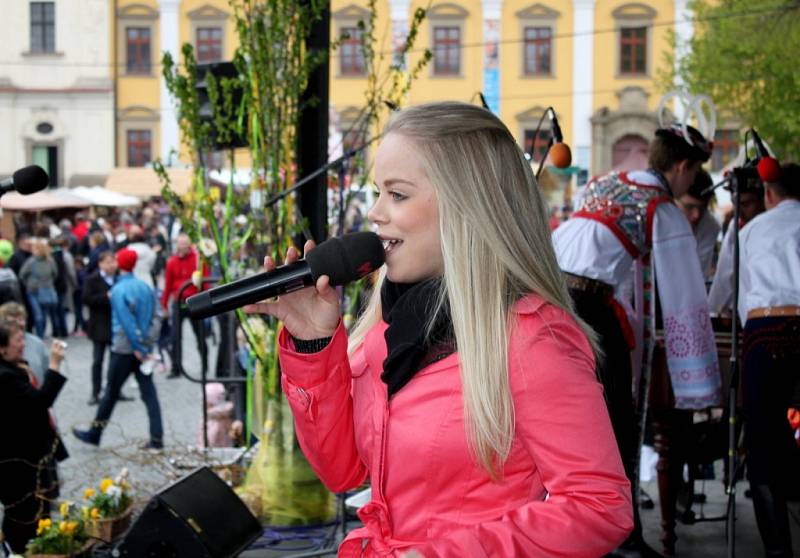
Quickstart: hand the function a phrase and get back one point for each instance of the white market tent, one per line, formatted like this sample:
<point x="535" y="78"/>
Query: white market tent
<point x="98" y="195"/>
<point x="42" y="201"/>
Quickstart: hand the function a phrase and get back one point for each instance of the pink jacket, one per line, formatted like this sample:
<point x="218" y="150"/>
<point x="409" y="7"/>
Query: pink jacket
<point x="564" y="491"/>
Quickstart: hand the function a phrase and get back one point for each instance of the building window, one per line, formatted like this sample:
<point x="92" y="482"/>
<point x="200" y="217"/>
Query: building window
<point x="446" y="51"/>
<point x="46" y="156"/>
<point x="352" y="54"/>
<point x="536" y="144"/>
<point x="726" y="148"/>
<point x="538" y="50"/>
<point x="138" y="148"/>
<point x="43" y="27"/>
<point x="209" y="44"/>
<point x="138" y="50"/>
<point x="633" y="50"/>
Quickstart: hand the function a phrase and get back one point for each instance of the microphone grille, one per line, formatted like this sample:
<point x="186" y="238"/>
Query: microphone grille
<point x="347" y="258"/>
<point x="30" y="179"/>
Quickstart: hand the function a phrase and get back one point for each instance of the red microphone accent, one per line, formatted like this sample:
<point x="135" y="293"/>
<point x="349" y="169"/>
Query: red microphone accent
<point x="560" y="155"/>
<point x="769" y="169"/>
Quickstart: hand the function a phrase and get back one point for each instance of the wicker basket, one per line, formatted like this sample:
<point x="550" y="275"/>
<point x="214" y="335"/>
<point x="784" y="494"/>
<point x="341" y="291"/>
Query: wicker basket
<point x="107" y="529"/>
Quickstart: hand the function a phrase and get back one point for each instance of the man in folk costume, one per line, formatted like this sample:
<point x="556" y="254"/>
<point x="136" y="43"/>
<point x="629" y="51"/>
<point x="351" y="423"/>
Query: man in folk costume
<point x="627" y="231"/>
<point x="770" y="309"/>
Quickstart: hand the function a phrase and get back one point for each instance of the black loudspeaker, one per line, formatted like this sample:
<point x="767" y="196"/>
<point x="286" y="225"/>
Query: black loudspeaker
<point x="198" y="516"/>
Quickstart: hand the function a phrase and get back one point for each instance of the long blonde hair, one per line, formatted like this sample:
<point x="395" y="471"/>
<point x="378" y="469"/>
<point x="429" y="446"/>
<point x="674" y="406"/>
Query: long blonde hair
<point x="496" y="247"/>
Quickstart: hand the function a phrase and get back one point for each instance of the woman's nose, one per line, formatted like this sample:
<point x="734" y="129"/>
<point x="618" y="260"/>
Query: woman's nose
<point x="376" y="214"/>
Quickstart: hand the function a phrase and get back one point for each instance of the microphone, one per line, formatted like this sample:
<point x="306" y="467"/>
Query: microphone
<point x="343" y="259"/>
<point x="27" y="180"/>
<point x="769" y="170"/>
<point x="560" y="154"/>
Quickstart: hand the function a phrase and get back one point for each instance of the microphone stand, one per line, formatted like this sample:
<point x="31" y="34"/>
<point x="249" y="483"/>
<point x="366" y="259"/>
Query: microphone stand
<point x="740" y="176"/>
<point x="324" y="168"/>
<point x="735" y="181"/>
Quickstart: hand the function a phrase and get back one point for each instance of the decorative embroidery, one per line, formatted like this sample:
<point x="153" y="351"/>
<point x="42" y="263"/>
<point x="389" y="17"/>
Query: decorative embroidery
<point x="691" y="358"/>
<point x="626" y="207"/>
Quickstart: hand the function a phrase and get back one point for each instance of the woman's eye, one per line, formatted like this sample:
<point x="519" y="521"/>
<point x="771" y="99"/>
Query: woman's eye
<point x="397" y="196"/>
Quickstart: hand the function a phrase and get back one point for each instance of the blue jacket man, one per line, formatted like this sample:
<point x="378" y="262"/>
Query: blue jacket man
<point x="133" y="326"/>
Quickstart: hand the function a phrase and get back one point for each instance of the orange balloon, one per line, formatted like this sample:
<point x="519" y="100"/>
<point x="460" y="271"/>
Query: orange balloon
<point x="560" y="155"/>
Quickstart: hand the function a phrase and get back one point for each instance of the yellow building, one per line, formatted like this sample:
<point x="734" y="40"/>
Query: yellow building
<point x="594" y="61"/>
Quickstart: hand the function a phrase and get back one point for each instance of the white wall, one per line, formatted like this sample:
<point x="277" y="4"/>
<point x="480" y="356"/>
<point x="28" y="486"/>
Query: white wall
<point x="71" y="89"/>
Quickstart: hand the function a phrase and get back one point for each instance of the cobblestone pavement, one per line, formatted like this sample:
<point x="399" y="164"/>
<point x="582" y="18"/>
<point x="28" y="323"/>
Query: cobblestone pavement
<point x="181" y="407"/>
<point x="128" y="428"/>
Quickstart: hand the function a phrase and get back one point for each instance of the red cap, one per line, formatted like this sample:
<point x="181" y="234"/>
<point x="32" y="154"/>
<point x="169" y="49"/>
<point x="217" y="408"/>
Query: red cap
<point x="768" y="169"/>
<point x="126" y="259"/>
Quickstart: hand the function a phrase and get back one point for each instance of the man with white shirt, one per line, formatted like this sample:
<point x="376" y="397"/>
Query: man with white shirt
<point x="770" y="296"/>
<point x="627" y="218"/>
<point x="751" y="203"/>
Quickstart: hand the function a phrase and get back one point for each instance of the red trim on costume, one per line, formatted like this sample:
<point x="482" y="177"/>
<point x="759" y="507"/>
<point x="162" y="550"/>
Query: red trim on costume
<point x="611" y="222"/>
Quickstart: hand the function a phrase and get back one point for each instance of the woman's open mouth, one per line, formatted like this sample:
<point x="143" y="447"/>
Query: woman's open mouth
<point x="390" y="244"/>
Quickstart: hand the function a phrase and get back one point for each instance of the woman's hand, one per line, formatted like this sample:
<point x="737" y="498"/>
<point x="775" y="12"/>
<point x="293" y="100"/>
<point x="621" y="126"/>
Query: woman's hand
<point x="309" y="313"/>
<point x="57" y="353"/>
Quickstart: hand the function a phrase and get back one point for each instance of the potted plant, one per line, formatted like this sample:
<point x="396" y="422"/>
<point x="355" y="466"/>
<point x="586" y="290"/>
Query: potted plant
<point x="62" y="538"/>
<point x="108" y="508"/>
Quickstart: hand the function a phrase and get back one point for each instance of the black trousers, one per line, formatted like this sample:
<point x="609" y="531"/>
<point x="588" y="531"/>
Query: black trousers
<point x="772" y="385"/>
<point x="614" y="372"/>
<point x="120" y="367"/>
<point x="98" y="354"/>
<point x="199" y="330"/>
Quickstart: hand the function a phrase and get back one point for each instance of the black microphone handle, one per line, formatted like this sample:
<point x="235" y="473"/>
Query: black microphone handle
<point x="761" y="151"/>
<point x="250" y="290"/>
<point x="557" y="135"/>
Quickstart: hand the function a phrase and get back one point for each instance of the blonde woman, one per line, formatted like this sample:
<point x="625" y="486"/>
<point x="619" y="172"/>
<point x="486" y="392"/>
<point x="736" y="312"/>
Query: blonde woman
<point x="38" y="274"/>
<point x="467" y="395"/>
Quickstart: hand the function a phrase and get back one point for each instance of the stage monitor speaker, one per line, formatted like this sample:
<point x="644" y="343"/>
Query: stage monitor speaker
<point x="198" y="516"/>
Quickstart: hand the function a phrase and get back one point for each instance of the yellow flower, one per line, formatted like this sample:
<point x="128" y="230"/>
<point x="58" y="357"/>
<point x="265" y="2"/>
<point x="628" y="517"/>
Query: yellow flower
<point x="44" y="525"/>
<point x="95" y="513"/>
<point x="89" y="493"/>
<point x="72" y="526"/>
<point x="67" y="527"/>
<point x="64" y="508"/>
<point x="105" y="484"/>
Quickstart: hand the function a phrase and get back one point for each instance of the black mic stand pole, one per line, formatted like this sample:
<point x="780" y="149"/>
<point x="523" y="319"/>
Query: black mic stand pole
<point x="324" y="168"/>
<point x="739" y="179"/>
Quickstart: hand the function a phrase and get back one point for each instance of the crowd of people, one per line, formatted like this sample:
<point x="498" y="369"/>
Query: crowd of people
<point x="120" y="289"/>
<point x="486" y="390"/>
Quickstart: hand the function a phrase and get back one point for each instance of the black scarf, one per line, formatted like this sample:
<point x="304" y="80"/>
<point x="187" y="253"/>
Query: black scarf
<point x="407" y="308"/>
